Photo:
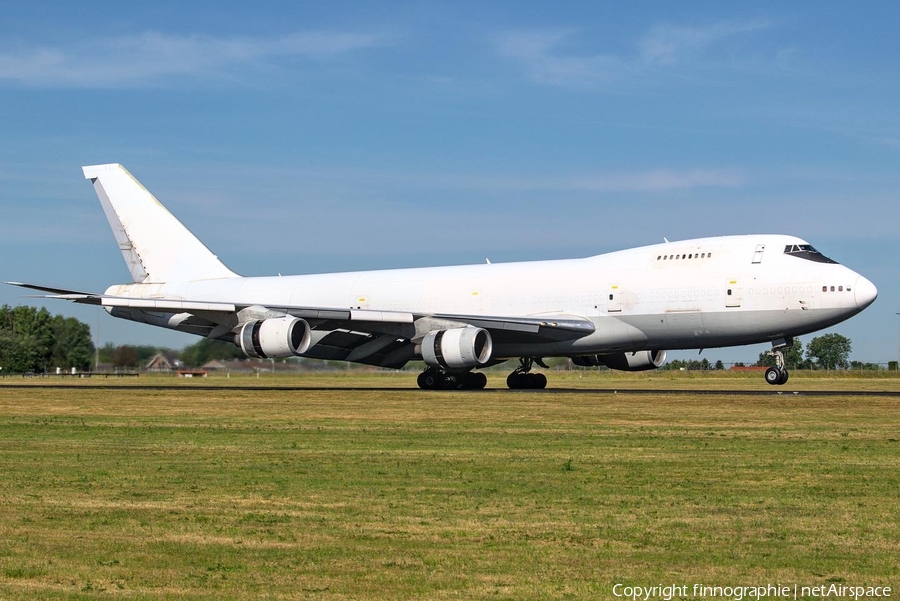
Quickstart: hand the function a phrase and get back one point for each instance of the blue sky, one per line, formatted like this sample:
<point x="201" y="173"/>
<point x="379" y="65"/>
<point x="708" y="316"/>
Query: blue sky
<point x="324" y="137"/>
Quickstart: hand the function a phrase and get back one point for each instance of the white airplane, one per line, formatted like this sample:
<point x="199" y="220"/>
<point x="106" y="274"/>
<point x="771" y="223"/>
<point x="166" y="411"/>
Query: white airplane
<point x="622" y="309"/>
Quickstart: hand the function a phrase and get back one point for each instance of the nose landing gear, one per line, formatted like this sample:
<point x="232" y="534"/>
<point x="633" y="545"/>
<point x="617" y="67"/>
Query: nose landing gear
<point x="778" y="375"/>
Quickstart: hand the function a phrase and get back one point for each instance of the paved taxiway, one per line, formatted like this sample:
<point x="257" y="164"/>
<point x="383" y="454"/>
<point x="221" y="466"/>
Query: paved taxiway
<point x="637" y="391"/>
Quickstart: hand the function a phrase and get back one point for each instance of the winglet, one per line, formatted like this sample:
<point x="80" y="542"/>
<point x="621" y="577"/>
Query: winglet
<point x="156" y="246"/>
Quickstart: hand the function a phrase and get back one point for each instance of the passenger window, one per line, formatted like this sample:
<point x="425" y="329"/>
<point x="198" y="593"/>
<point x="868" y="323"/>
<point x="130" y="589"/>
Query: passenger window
<point x="840" y="288"/>
<point x="729" y="292"/>
<point x="832" y="288"/>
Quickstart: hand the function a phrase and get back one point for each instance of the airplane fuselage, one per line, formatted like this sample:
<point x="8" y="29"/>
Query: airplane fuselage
<point x="702" y="293"/>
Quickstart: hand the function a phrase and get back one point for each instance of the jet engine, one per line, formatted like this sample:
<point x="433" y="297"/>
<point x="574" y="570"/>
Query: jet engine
<point x="639" y="361"/>
<point x="457" y="348"/>
<point x="278" y="337"/>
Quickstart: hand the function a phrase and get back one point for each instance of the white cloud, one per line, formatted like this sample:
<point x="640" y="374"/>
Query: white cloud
<point x="543" y="54"/>
<point x="540" y="54"/>
<point x="353" y="181"/>
<point x="653" y="180"/>
<point x="147" y="58"/>
<point x="660" y="180"/>
<point x="667" y="44"/>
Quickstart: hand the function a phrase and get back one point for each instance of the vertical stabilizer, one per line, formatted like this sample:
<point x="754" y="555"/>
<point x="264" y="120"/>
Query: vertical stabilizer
<point x="156" y="246"/>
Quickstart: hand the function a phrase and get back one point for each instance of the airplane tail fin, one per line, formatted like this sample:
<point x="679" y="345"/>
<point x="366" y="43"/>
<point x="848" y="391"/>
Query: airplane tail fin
<point x="156" y="246"/>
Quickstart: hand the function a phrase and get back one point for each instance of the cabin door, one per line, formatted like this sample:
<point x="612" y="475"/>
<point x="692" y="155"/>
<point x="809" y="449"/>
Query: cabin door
<point x="758" y="253"/>
<point x="732" y="294"/>
<point x="614" y="300"/>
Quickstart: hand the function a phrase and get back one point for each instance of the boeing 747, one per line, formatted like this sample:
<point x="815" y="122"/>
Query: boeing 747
<point x="622" y="309"/>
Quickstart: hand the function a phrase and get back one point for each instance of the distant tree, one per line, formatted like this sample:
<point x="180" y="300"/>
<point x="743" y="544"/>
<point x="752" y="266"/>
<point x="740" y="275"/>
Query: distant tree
<point x="27" y="339"/>
<point x="142" y="353"/>
<point x="9" y="351"/>
<point x="72" y="345"/>
<point x="719" y="364"/>
<point x="865" y="366"/>
<point x="145" y="353"/>
<point x="687" y="364"/>
<point x="793" y="356"/>
<point x="829" y="351"/>
<point x="124" y="356"/>
<point x="206" y="350"/>
<point x="105" y="352"/>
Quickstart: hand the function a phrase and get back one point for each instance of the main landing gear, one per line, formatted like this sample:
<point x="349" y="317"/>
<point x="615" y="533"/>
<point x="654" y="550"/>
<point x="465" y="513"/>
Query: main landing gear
<point x="521" y="378"/>
<point x="779" y="374"/>
<point x="437" y="379"/>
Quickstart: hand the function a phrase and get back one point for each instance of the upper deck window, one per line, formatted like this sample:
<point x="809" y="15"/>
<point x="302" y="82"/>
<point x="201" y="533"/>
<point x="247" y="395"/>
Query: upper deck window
<point x="806" y="251"/>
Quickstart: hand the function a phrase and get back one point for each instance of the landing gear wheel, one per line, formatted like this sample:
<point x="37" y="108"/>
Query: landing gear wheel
<point x="778" y="374"/>
<point x="521" y="379"/>
<point x="474" y="381"/>
<point x="431" y="379"/>
<point x="437" y="379"/>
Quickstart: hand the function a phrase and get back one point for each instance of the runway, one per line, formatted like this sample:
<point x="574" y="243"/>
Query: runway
<point x="775" y="391"/>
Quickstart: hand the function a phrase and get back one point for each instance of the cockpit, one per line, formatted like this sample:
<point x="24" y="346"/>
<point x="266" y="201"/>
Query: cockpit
<point x="806" y="251"/>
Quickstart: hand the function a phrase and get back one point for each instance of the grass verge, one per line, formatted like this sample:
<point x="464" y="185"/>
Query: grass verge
<point x="337" y="494"/>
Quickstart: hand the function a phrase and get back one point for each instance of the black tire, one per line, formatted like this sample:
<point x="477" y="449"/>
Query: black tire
<point x="773" y="376"/>
<point x="514" y="381"/>
<point x="784" y="376"/>
<point x="432" y="381"/>
<point x="475" y="381"/>
<point x="449" y="383"/>
<point x="421" y="381"/>
<point x="540" y="382"/>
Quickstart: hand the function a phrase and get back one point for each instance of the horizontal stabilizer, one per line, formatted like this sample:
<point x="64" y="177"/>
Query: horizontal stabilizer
<point x="54" y="291"/>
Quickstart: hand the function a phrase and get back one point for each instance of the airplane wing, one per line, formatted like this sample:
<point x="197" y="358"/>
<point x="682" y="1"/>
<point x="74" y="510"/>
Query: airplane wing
<point x="381" y="338"/>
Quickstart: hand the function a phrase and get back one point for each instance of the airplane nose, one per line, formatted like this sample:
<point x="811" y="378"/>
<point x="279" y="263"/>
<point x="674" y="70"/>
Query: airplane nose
<point x="865" y="292"/>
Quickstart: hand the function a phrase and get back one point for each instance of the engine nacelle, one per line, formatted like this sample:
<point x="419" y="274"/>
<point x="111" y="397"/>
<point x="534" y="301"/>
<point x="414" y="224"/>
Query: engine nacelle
<point x="639" y="361"/>
<point x="275" y="338"/>
<point x="457" y="348"/>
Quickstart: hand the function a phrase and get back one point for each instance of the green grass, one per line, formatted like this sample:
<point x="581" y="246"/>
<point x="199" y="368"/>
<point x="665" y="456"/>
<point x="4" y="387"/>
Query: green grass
<point x="406" y="494"/>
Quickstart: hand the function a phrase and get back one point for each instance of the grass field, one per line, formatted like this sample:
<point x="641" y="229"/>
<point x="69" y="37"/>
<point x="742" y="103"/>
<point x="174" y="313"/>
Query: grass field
<point x="407" y="494"/>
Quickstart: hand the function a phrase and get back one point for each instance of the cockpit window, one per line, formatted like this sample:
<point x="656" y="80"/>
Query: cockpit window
<point x="806" y="251"/>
